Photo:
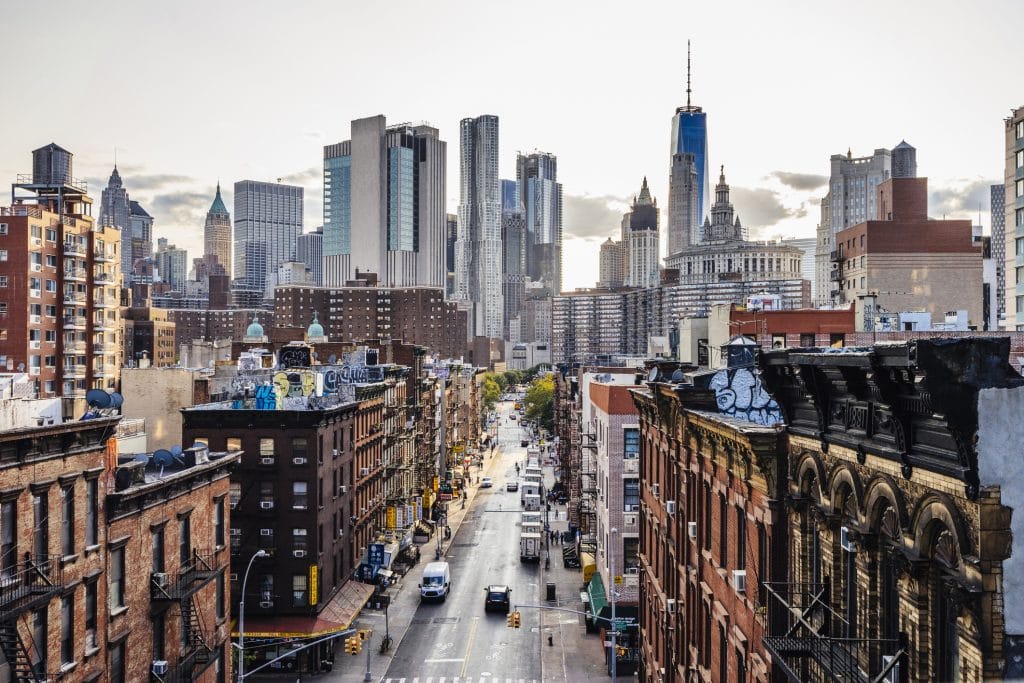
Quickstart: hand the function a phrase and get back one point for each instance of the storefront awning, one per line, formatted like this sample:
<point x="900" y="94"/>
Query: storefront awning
<point x="598" y="598"/>
<point x="337" y="615"/>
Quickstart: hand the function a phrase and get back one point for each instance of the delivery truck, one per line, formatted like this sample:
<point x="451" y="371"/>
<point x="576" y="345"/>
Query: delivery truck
<point x="529" y="547"/>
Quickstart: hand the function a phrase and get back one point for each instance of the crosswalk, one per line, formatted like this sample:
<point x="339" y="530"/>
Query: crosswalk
<point x="460" y="679"/>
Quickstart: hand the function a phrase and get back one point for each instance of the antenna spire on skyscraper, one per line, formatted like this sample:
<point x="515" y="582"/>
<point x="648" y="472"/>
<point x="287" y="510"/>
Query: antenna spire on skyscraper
<point x="687" y="73"/>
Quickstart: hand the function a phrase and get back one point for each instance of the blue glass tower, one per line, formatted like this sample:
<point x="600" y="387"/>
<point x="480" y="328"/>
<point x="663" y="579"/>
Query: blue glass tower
<point x="690" y="136"/>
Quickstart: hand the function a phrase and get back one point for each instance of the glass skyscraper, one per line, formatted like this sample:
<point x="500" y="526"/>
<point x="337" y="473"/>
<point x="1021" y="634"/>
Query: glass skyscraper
<point x="690" y="136"/>
<point x="268" y="219"/>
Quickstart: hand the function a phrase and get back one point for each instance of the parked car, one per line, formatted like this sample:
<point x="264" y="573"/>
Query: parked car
<point x="512" y="486"/>
<point x="486" y="483"/>
<point x="524" y="443"/>
<point x="497" y="597"/>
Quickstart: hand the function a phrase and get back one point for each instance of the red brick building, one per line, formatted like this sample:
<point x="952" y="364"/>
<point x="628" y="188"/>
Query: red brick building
<point x="710" y="515"/>
<point x="169" y="523"/>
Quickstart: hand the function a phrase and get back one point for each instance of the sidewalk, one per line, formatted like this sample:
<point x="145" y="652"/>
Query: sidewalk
<point x="574" y="655"/>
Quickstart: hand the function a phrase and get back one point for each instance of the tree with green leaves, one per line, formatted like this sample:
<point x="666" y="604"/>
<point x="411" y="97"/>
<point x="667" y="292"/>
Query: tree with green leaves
<point x="540" y="401"/>
<point x="491" y="391"/>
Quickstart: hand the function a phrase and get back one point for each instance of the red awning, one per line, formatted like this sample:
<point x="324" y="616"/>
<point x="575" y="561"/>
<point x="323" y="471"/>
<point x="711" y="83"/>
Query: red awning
<point x="337" y="615"/>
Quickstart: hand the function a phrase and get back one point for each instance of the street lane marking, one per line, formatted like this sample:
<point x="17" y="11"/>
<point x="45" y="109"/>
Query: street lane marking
<point x="448" y="660"/>
<point x="469" y="645"/>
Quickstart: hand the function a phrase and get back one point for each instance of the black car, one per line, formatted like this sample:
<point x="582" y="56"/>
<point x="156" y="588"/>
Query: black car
<point x="524" y="443"/>
<point x="498" y="598"/>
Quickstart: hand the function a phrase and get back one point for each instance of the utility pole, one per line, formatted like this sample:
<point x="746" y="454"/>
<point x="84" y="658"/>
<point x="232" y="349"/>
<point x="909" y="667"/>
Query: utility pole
<point x="611" y="593"/>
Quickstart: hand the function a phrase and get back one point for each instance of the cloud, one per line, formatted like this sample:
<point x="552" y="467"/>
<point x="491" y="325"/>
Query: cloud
<point x="313" y="174"/>
<point x="180" y="209"/>
<point x="154" y="181"/>
<point x="594" y="216"/>
<point x="962" y="198"/>
<point x="800" y="181"/>
<point x="761" y="208"/>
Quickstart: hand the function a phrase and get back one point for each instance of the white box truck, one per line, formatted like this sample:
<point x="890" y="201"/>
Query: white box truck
<point x="531" y="503"/>
<point x="529" y="488"/>
<point x="529" y="547"/>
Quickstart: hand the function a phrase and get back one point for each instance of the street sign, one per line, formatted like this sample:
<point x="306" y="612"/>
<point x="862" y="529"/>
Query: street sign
<point x="314" y="592"/>
<point x="375" y="556"/>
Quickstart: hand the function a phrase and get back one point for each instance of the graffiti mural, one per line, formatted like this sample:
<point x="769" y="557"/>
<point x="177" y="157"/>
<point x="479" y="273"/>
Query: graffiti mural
<point x="741" y="394"/>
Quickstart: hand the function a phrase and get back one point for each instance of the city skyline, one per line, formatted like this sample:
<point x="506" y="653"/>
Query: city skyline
<point x="766" y="122"/>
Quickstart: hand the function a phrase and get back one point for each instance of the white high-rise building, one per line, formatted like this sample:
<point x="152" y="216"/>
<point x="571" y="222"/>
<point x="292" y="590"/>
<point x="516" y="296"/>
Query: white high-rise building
<point x="384" y="205"/>
<point x="644" y="242"/>
<point x="478" y="253"/>
<point x="309" y="249"/>
<point x="541" y="195"/>
<point x="268" y="220"/>
<point x="850" y="200"/>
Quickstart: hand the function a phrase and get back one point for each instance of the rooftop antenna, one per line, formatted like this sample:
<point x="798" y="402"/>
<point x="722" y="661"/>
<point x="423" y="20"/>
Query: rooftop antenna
<point x="687" y="75"/>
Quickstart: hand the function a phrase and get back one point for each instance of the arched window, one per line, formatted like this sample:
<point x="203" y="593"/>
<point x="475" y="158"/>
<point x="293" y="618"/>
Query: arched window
<point x="942" y="609"/>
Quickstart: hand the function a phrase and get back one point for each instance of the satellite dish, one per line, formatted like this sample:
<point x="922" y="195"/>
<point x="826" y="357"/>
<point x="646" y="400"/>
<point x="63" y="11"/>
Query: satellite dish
<point x="652" y="376"/>
<point x="163" y="458"/>
<point x="97" y="398"/>
<point x="332" y="359"/>
<point x="677" y="376"/>
<point x="116" y="400"/>
<point x="142" y="457"/>
<point x="175" y="450"/>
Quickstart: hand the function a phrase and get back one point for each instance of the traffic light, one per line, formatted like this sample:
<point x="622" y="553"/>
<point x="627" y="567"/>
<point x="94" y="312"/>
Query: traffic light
<point x="511" y="619"/>
<point x="351" y="645"/>
<point x="517" y="619"/>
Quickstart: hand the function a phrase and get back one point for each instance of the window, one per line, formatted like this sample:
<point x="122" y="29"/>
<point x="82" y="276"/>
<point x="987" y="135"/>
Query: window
<point x="299" y="543"/>
<point x="159" y="560"/>
<point x="8" y="538"/>
<point x="299" y="448"/>
<point x="41" y="523"/>
<point x="159" y="637"/>
<point x="51" y="311"/>
<point x="806" y="340"/>
<point x="91" y="516"/>
<point x="266" y="448"/>
<point x="631" y="494"/>
<point x="3" y="280"/>
<point x="51" y="285"/>
<point x="90" y="616"/>
<point x="707" y="516"/>
<point x="3" y="228"/>
<point x="1019" y="129"/>
<point x="67" y="521"/>
<point x="1018" y="217"/>
<point x="298" y="590"/>
<point x="1019" y="188"/>
<point x="67" y="629"/>
<point x="300" y="495"/>
<point x="39" y="635"/>
<point x="184" y="540"/>
<point x="631" y="443"/>
<point x="51" y="235"/>
<point x="218" y="523"/>
<point x="233" y="443"/>
<point x="3" y="254"/>
<point x="741" y="539"/>
<point x="266" y="494"/>
<point x="117" y="663"/>
<point x="723" y="531"/>
<point x="115" y="586"/>
<point x="220" y="596"/>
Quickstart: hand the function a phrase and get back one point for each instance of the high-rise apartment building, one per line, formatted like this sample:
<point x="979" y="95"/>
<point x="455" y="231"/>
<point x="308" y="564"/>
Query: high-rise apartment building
<point x="451" y="236"/>
<point x="172" y="264"/>
<point x="115" y="211"/>
<point x="610" y="265"/>
<point x="138" y="241"/>
<point x="540" y="194"/>
<point x="217" y="237"/>
<point x="850" y="200"/>
<point x="478" y="253"/>
<point x="60" y="319"/>
<point x="510" y="196"/>
<point x="1014" y="205"/>
<point x="309" y="249"/>
<point x="644" y="241"/>
<point x="997" y="213"/>
<point x="513" y="266"/>
<point x="689" y="146"/>
<point x="268" y="220"/>
<point x="384" y="205"/>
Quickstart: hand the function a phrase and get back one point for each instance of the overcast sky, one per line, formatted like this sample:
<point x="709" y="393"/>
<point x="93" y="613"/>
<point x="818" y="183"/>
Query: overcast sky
<point x="191" y="92"/>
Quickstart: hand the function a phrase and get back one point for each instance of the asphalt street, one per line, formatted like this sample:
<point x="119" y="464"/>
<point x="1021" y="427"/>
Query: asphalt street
<point x="457" y="640"/>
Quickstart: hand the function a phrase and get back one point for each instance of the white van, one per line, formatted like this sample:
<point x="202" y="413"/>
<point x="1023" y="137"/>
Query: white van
<point x="436" y="583"/>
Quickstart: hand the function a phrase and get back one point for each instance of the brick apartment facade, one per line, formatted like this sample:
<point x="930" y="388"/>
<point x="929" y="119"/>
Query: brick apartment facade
<point x="710" y="517"/>
<point x="905" y="261"/>
<point x="192" y="324"/>
<point x="170" y="525"/>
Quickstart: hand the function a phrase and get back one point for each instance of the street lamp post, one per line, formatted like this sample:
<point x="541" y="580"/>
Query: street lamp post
<point x="611" y="593"/>
<point x="241" y="615"/>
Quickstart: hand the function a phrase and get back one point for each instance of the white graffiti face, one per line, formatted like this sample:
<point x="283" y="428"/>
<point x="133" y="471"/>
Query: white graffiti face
<point x="740" y="393"/>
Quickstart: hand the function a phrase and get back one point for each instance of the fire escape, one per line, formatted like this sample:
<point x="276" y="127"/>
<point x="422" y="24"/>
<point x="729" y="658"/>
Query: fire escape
<point x="836" y="277"/>
<point x="24" y="588"/>
<point x="588" y="490"/>
<point x="808" y="640"/>
<point x="572" y="457"/>
<point x="198" y="648"/>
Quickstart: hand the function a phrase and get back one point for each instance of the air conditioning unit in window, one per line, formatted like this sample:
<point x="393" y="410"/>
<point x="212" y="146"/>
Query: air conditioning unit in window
<point x="670" y="507"/>
<point x="267" y="461"/>
<point x="670" y="606"/>
<point x="266" y="532"/>
<point x="655" y="489"/>
<point x="236" y="532"/>
<point x="299" y="553"/>
<point x="363" y="471"/>
<point x="299" y="461"/>
<point x="159" y="667"/>
<point x="234" y="576"/>
<point x="334" y="452"/>
<point x="160" y="579"/>
<point x="266" y="505"/>
<point x="342" y="490"/>
<point x="739" y="580"/>
<point x="266" y="604"/>
<point x="691" y="530"/>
